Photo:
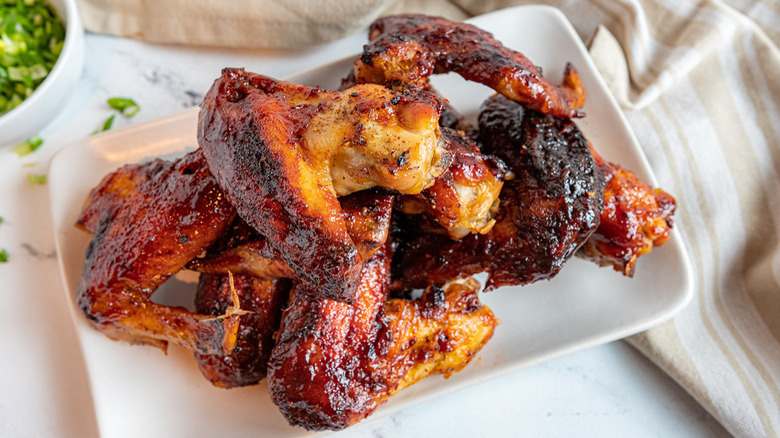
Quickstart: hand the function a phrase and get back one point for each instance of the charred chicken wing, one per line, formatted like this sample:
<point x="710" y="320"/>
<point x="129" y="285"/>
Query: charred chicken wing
<point x="173" y="215"/>
<point x="635" y="219"/>
<point x="409" y="48"/>
<point x="547" y="211"/>
<point x="334" y="363"/>
<point x="284" y="152"/>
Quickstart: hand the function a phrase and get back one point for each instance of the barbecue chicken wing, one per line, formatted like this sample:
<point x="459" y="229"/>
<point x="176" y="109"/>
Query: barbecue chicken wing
<point x="261" y="303"/>
<point x="334" y="363"/>
<point x="465" y="198"/>
<point x="241" y="250"/>
<point x="635" y="219"/>
<point x="284" y="152"/>
<point x="409" y="48"/>
<point x="117" y="187"/>
<point x="150" y="220"/>
<point x="547" y="211"/>
<point x="367" y="216"/>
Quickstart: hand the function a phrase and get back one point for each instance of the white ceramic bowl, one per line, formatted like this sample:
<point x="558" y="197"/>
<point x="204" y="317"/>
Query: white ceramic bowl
<point x="47" y="100"/>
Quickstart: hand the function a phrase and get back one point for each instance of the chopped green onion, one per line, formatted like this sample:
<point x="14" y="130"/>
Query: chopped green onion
<point x="109" y="121"/>
<point x="106" y="125"/>
<point x="124" y="105"/>
<point x="3" y="256"/>
<point x="36" y="179"/>
<point x="31" y="39"/>
<point x="1" y="219"/>
<point x="28" y="146"/>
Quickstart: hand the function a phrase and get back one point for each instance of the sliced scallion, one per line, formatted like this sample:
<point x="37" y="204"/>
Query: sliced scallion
<point x="28" y="146"/>
<point x="31" y="39"/>
<point x="36" y="179"/>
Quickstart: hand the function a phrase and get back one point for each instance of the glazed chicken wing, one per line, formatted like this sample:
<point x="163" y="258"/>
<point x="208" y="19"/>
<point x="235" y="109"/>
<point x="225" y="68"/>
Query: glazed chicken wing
<point x="170" y="213"/>
<point x="547" y="211"/>
<point x="464" y="199"/>
<point x="261" y="303"/>
<point x="366" y="215"/>
<point x="409" y="48"/>
<point x="334" y="363"/>
<point x="284" y="152"/>
<point x="635" y="219"/>
<point x="117" y="187"/>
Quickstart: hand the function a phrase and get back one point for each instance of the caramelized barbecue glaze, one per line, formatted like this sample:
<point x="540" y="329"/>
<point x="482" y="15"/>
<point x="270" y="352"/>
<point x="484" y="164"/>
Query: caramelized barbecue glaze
<point x="117" y="187"/>
<point x="334" y="363"/>
<point x="366" y="215"/>
<point x="547" y="210"/>
<point x="465" y="198"/>
<point x="283" y="152"/>
<point x="261" y="304"/>
<point x="409" y="48"/>
<point x="175" y="212"/>
<point x="635" y="219"/>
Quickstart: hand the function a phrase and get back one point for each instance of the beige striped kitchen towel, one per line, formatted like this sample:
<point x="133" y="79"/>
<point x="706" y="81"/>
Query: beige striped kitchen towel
<point x="700" y="84"/>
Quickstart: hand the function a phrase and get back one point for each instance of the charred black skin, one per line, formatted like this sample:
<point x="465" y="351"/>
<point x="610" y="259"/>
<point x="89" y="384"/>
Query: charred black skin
<point x="548" y="210"/>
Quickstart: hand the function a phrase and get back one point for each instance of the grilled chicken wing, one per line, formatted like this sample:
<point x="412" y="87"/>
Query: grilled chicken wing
<point x="547" y="211"/>
<point x="464" y="199"/>
<point x="366" y="215"/>
<point x="284" y="152"/>
<point x="173" y="212"/>
<point x="261" y="303"/>
<point x="409" y="48"/>
<point x="635" y="219"/>
<point x="334" y="363"/>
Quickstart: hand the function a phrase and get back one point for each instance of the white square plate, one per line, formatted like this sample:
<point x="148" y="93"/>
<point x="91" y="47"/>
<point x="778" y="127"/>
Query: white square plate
<point x="139" y="392"/>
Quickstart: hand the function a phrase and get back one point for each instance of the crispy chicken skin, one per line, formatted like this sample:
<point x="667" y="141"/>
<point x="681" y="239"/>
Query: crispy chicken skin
<point x="409" y="48"/>
<point x="547" y="211"/>
<point x="635" y="218"/>
<point x="283" y="152"/>
<point x="117" y="187"/>
<point x="334" y="363"/>
<point x="366" y="215"/>
<point x="174" y="215"/>
<point x="465" y="198"/>
<point x="261" y="302"/>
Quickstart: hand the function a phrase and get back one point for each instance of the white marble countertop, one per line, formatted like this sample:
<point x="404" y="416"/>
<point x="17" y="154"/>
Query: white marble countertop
<point x="610" y="390"/>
